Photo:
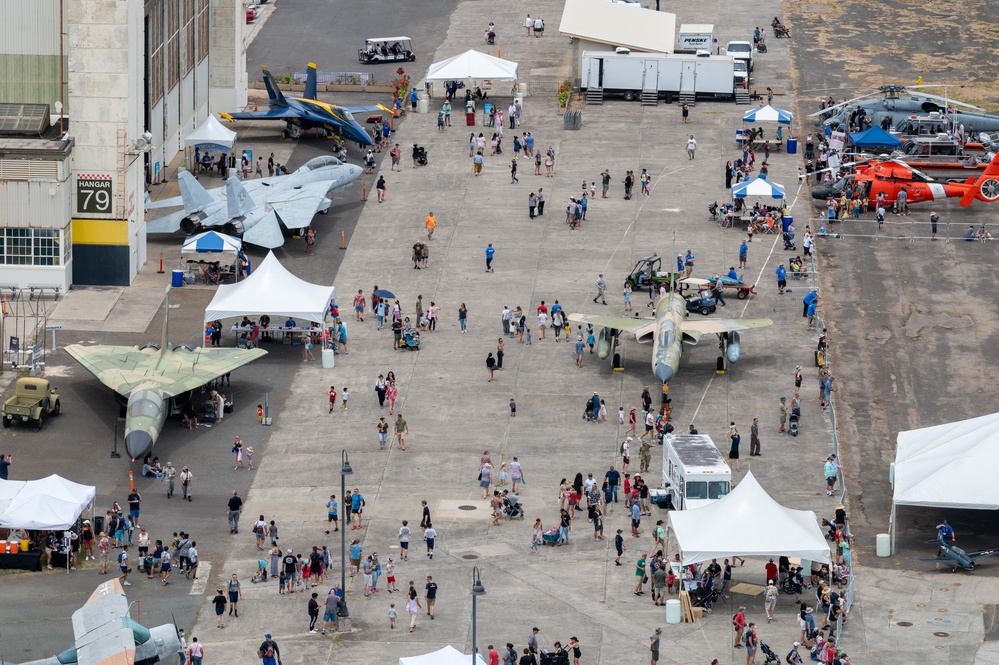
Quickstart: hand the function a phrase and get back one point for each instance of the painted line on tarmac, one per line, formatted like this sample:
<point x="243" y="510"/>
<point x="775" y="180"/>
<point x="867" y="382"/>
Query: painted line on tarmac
<point x="200" y="584"/>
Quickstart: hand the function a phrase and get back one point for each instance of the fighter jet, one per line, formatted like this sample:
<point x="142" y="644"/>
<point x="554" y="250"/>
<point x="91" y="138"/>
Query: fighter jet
<point x="307" y="112"/>
<point x="955" y="555"/>
<point x="156" y="379"/>
<point x="257" y="209"/>
<point x="667" y="330"/>
<point x="105" y="634"/>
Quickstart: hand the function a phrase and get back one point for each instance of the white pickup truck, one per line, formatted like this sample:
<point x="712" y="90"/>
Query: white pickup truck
<point x="741" y="51"/>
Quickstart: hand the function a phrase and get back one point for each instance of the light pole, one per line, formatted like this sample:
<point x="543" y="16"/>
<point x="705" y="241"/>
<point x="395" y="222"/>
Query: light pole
<point x="345" y="471"/>
<point x="477" y="590"/>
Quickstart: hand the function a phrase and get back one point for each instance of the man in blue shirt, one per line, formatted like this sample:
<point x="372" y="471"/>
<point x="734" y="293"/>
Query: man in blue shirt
<point x="688" y="263"/>
<point x="945" y="532"/>
<point x="732" y="274"/>
<point x="679" y="263"/>
<point x="356" y="508"/>
<point x="636" y="518"/>
<point x="489" y="257"/>
<point x="355" y="556"/>
<point x="743" y="254"/>
<point x="781" y="278"/>
<point x="808" y="300"/>
<point x="412" y="98"/>
<point x="579" y="351"/>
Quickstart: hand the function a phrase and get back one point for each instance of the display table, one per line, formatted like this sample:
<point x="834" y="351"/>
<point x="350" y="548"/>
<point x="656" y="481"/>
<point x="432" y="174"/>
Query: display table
<point x="22" y="561"/>
<point x="58" y="560"/>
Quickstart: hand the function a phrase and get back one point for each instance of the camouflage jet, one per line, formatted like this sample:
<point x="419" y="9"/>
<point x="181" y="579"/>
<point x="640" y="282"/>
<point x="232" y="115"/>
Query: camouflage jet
<point x="154" y="378"/>
<point x="105" y="634"/>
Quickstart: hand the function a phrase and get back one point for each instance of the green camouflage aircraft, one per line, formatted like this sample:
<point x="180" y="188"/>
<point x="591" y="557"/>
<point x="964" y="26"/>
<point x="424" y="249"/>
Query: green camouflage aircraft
<point x="155" y="377"/>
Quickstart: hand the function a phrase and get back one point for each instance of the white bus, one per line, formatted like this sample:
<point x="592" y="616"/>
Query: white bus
<point x="694" y="472"/>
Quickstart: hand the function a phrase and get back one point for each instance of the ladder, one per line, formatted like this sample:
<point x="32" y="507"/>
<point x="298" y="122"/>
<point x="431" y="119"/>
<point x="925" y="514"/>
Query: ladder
<point x="594" y="96"/>
<point x="650" y="97"/>
<point x="742" y="96"/>
<point x="119" y="193"/>
<point x="688" y="98"/>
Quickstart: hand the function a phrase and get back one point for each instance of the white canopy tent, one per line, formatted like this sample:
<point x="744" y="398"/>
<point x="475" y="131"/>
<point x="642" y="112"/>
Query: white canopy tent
<point x="768" y="114"/>
<point x="211" y="246"/>
<point x="758" y="186"/>
<point x="472" y="65"/>
<point x="271" y="289"/>
<point x="51" y="503"/>
<point x="211" y="131"/>
<point x="947" y="466"/>
<point x="733" y="525"/>
<point x="446" y="656"/>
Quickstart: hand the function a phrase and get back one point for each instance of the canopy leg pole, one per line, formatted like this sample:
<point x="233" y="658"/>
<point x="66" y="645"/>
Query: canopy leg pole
<point x="891" y="527"/>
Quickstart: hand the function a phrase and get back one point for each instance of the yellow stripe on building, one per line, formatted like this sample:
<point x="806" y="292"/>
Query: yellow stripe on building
<point x="100" y="232"/>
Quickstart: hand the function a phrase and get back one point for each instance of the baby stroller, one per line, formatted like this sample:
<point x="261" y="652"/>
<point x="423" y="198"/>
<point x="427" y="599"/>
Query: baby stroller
<point x="550" y="537"/>
<point x="261" y="575"/>
<point x="713" y="210"/>
<point x="704" y="596"/>
<point x="421" y="156"/>
<point x="792" y="422"/>
<point x="411" y="340"/>
<point x="588" y="414"/>
<point x="512" y="508"/>
<point x="769" y="653"/>
<point x="761" y="47"/>
<point x="491" y="37"/>
<point x="789" y="242"/>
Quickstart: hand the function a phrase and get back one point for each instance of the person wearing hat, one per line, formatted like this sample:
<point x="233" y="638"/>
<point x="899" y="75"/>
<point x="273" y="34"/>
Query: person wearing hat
<point x="771" y="571"/>
<point x="632" y="422"/>
<point x="87" y="536"/>
<point x="770" y="600"/>
<point x="782" y="414"/>
<point x="619" y="546"/>
<point x="781" y="278"/>
<point x="793" y="657"/>
<point x="797" y="379"/>
<point x="934" y="219"/>
<point x="626" y="447"/>
<point x="752" y="641"/>
<point x="739" y="623"/>
<point x="268" y="652"/>
<point x="123" y="566"/>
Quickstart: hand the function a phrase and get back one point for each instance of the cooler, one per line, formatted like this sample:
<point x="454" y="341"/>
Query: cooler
<point x="177" y="279"/>
<point x="328" y="358"/>
<point x="785" y="222"/>
<point x="3" y="546"/>
<point x="792" y="146"/>
<point x="738" y="137"/>
<point x="25" y="545"/>
<point x="12" y="547"/>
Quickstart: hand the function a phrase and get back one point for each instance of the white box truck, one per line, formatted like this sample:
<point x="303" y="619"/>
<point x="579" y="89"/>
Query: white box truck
<point x="694" y="472"/>
<point x="629" y="74"/>
<point x="695" y="37"/>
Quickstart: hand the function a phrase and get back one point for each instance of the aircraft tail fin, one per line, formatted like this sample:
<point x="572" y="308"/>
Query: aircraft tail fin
<point x="194" y="196"/>
<point x="237" y="198"/>
<point x="311" y="81"/>
<point x="986" y="188"/>
<point x="274" y="95"/>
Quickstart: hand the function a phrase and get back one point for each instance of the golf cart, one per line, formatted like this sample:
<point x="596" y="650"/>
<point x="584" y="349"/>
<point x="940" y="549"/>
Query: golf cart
<point x="386" y="49"/>
<point x="697" y="294"/>
<point x="649" y="270"/>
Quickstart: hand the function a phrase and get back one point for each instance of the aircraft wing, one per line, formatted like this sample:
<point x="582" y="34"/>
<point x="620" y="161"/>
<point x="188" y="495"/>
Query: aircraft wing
<point x="101" y="628"/>
<point x="641" y="328"/>
<point x="171" y="202"/>
<point x="279" y="113"/>
<point x="718" y="326"/>
<point x="297" y="206"/>
<point x="122" y="368"/>
<point x="367" y="109"/>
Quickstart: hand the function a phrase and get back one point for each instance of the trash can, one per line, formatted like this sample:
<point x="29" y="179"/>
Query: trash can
<point x="785" y="222"/>
<point x="883" y="547"/>
<point x="328" y="358"/>
<point x="792" y="146"/>
<point x="177" y="279"/>
<point x="673" y="613"/>
<point x="422" y="102"/>
<point x="738" y="137"/>
<point x="470" y="118"/>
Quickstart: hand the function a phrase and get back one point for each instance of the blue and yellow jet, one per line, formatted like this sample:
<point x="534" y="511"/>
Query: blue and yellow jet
<point x="307" y="112"/>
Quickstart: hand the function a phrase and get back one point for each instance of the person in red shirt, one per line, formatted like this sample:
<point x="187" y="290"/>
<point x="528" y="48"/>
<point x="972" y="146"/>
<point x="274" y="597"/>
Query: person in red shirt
<point x="771" y="571"/>
<point x="493" y="656"/>
<point x="739" y="621"/>
<point x="542" y="308"/>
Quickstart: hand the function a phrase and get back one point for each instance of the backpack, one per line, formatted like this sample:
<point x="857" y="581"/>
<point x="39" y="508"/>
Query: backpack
<point x="788" y="658"/>
<point x="747" y="637"/>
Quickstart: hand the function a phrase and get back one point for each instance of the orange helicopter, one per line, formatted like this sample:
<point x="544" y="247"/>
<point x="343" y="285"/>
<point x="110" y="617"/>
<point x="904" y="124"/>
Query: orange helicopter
<point x="892" y="176"/>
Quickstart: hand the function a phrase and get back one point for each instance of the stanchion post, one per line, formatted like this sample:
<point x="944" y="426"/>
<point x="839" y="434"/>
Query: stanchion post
<point x="160" y="271"/>
<point x="343" y="239"/>
<point x="364" y="191"/>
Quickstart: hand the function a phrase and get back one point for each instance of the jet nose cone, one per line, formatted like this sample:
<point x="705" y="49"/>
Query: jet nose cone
<point x="138" y="443"/>
<point x="664" y="372"/>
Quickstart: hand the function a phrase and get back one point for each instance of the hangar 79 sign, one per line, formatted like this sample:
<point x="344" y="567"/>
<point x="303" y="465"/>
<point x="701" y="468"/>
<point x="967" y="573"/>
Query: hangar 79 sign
<point x="93" y="193"/>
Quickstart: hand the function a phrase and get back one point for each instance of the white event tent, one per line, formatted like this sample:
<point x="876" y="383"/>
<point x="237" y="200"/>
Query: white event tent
<point x="768" y="114"/>
<point x="51" y="503"/>
<point x="271" y="289"/>
<point x="472" y="65"/>
<point x="758" y="186"/>
<point x="747" y="522"/>
<point x="947" y="466"/>
<point x="446" y="656"/>
<point x="211" y="132"/>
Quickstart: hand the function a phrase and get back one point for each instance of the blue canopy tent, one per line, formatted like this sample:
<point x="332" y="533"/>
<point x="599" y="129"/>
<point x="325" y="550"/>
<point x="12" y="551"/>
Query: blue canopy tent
<point x="758" y="186"/>
<point x="768" y="114"/>
<point x="212" y="242"/>
<point x="875" y="137"/>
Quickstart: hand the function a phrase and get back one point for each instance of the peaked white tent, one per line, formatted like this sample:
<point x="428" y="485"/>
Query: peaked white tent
<point x="473" y="65"/>
<point x="747" y="522"/>
<point x="758" y="186"/>
<point x="768" y="114"/>
<point x="271" y="289"/>
<point x="211" y="131"/>
<point x="45" y="504"/>
<point x="948" y="466"/>
<point x="446" y="656"/>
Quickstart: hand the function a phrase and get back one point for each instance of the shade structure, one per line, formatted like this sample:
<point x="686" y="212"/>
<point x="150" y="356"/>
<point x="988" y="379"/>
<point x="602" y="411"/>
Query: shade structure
<point x="211" y="132"/>
<point x="768" y="114"/>
<point x="734" y="525"/>
<point x="48" y="503"/>
<point x="271" y="290"/>
<point x="875" y="137"/>
<point x="473" y="65"/>
<point x="758" y="186"/>
<point x="618" y="24"/>
<point x="211" y="242"/>
<point x="446" y="656"/>
<point x="949" y="466"/>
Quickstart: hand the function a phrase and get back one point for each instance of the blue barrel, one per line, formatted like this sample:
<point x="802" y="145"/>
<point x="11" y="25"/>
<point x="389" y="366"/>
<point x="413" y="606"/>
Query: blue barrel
<point x="738" y="137"/>
<point x="177" y="280"/>
<point x="792" y="146"/>
<point x="785" y="222"/>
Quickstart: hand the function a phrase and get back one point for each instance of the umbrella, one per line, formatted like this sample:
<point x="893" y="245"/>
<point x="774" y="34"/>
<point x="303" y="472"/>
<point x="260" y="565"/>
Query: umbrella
<point x="383" y="293"/>
<point x="758" y="186"/>
<point x="768" y="114"/>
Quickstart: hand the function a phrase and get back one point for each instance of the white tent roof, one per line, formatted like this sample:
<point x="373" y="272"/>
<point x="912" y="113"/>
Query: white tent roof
<point x="768" y="114"/>
<point x="211" y="242"/>
<point x="473" y="65"/>
<point x="446" y="656"/>
<point x="951" y="465"/>
<point x="211" y="131"/>
<point x="619" y="24"/>
<point x="758" y="186"/>
<point x="271" y="289"/>
<point x="735" y="525"/>
<point x="47" y="503"/>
